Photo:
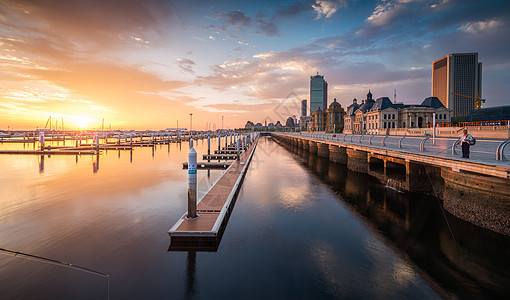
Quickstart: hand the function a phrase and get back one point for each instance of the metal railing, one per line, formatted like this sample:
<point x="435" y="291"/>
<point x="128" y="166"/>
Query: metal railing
<point x="486" y="149"/>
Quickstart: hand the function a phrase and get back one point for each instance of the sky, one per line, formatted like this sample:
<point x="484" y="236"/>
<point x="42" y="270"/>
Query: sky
<point x="150" y="64"/>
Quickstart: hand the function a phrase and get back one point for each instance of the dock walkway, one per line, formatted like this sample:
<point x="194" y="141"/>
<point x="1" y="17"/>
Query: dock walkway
<point x="213" y="209"/>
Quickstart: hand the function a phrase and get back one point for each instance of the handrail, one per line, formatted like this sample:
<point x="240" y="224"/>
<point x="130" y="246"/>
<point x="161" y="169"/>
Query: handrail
<point x="454" y="145"/>
<point x="400" y="142"/>
<point x="422" y="144"/>
<point x="500" y="149"/>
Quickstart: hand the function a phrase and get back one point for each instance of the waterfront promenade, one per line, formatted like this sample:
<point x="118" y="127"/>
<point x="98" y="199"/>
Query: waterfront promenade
<point x="476" y="190"/>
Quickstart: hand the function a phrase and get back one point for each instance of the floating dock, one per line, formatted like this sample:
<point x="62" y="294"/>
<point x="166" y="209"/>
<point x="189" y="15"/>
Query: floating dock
<point x="208" y="165"/>
<point x="220" y="156"/>
<point x="204" y="233"/>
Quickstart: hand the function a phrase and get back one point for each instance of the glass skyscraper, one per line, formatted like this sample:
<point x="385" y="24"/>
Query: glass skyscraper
<point x="318" y="93"/>
<point x="456" y="81"/>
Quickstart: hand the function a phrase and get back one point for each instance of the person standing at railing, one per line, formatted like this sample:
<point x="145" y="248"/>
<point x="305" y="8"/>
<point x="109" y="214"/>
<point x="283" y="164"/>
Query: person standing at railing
<point x="465" y="143"/>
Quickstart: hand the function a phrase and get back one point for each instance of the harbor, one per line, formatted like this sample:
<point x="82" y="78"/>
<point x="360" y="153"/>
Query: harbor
<point x="314" y="225"/>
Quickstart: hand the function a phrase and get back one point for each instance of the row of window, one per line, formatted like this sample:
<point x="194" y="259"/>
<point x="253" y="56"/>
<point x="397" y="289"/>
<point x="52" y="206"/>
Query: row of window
<point x="389" y="116"/>
<point x="441" y="116"/>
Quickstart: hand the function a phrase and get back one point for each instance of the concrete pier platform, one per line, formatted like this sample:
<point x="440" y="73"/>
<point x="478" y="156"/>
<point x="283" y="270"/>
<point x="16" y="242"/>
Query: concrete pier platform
<point x="204" y="233"/>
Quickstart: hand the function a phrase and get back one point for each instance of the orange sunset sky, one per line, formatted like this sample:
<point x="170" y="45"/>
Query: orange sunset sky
<point x="149" y="64"/>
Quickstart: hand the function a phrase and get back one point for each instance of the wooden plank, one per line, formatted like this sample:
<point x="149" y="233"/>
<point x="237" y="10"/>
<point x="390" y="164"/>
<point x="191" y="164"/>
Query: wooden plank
<point x="213" y="208"/>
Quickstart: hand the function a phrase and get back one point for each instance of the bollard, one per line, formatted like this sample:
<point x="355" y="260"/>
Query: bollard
<point x="41" y="139"/>
<point x="95" y="141"/>
<point x="192" y="183"/>
<point x="237" y="148"/>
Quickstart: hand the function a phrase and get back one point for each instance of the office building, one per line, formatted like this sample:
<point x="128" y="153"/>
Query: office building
<point x="318" y="93"/>
<point x="457" y="82"/>
<point x="303" y="108"/>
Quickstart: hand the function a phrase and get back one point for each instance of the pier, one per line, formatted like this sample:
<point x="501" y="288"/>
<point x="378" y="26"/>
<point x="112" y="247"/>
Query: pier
<point x="204" y="232"/>
<point x="476" y="190"/>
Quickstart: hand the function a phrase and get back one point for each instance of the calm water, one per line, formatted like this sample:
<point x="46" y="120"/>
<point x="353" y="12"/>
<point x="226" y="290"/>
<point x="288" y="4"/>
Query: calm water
<point x="302" y="228"/>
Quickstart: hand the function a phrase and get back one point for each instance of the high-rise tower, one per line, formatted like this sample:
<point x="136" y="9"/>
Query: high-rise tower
<point x="303" y="108"/>
<point x="456" y="81"/>
<point x="318" y="93"/>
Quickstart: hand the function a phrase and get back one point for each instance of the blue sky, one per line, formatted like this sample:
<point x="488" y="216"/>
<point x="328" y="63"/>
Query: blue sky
<point x="147" y="64"/>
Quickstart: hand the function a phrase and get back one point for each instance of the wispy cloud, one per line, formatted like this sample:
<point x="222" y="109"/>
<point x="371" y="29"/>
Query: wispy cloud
<point x="480" y="26"/>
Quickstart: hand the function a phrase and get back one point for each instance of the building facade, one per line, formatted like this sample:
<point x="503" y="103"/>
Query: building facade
<point x="457" y="81"/>
<point x="335" y="117"/>
<point x="318" y="93"/>
<point x="319" y="120"/>
<point x="382" y="116"/>
<point x="303" y="108"/>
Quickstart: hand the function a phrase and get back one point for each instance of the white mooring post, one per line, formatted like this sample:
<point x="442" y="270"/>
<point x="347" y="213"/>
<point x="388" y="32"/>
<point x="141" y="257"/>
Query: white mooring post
<point x="433" y="128"/>
<point x="95" y="141"/>
<point x="192" y="182"/>
<point x="41" y="139"/>
<point x="238" y="147"/>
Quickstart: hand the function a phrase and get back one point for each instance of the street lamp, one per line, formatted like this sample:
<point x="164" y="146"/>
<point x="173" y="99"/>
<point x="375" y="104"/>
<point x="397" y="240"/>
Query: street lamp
<point x="190" y="123"/>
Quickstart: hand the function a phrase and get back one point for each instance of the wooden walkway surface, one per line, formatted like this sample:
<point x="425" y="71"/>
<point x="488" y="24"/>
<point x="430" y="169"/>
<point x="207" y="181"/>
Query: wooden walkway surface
<point x="213" y="208"/>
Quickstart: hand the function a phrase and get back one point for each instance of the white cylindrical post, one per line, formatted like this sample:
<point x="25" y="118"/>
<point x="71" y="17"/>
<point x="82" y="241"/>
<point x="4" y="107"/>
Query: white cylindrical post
<point x="190" y="143"/>
<point x="192" y="183"/>
<point x="238" y="147"/>
<point x="41" y="139"/>
<point x="433" y="128"/>
<point x="95" y="140"/>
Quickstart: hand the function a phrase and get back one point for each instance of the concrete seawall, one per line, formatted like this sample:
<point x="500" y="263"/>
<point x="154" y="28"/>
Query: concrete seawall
<point x="475" y="192"/>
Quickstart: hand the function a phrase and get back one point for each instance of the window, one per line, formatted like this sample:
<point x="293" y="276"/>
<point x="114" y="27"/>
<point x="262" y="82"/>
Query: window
<point x="384" y="116"/>
<point x="384" y="124"/>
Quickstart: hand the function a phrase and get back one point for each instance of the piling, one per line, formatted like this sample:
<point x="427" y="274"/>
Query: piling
<point x="192" y="182"/>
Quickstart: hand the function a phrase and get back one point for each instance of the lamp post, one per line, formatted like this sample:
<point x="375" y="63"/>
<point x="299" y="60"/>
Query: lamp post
<point x="190" y="123"/>
<point x="222" y="122"/>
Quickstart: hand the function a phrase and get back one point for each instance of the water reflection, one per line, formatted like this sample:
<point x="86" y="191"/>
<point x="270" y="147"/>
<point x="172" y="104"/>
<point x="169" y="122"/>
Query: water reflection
<point x="190" y="273"/>
<point x="41" y="164"/>
<point x="476" y="263"/>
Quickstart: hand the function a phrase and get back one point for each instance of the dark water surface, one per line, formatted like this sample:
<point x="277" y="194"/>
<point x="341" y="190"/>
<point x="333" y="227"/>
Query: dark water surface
<point x="302" y="228"/>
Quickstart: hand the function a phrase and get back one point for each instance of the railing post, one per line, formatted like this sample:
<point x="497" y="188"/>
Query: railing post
<point x="400" y="142"/>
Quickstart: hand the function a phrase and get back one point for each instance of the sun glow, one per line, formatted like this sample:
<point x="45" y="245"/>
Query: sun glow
<point x="81" y="121"/>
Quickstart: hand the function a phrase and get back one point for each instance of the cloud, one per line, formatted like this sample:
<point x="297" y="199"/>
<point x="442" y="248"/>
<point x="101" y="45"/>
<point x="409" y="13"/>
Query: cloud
<point x="235" y="18"/>
<point x="186" y="65"/>
<point x="327" y="8"/>
<point x="84" y="22"/>
<point x="480" y="26"/>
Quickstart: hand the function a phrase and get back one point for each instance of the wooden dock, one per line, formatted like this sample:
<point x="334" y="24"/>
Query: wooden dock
<point x="220" y="156"/>
<point x="204" y="233"/>
<point x="49" y="152"/>
<point x="208" y="165"/>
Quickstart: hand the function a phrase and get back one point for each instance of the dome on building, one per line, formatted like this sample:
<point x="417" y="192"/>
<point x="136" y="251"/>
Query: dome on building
<point x="335" y="105"/>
